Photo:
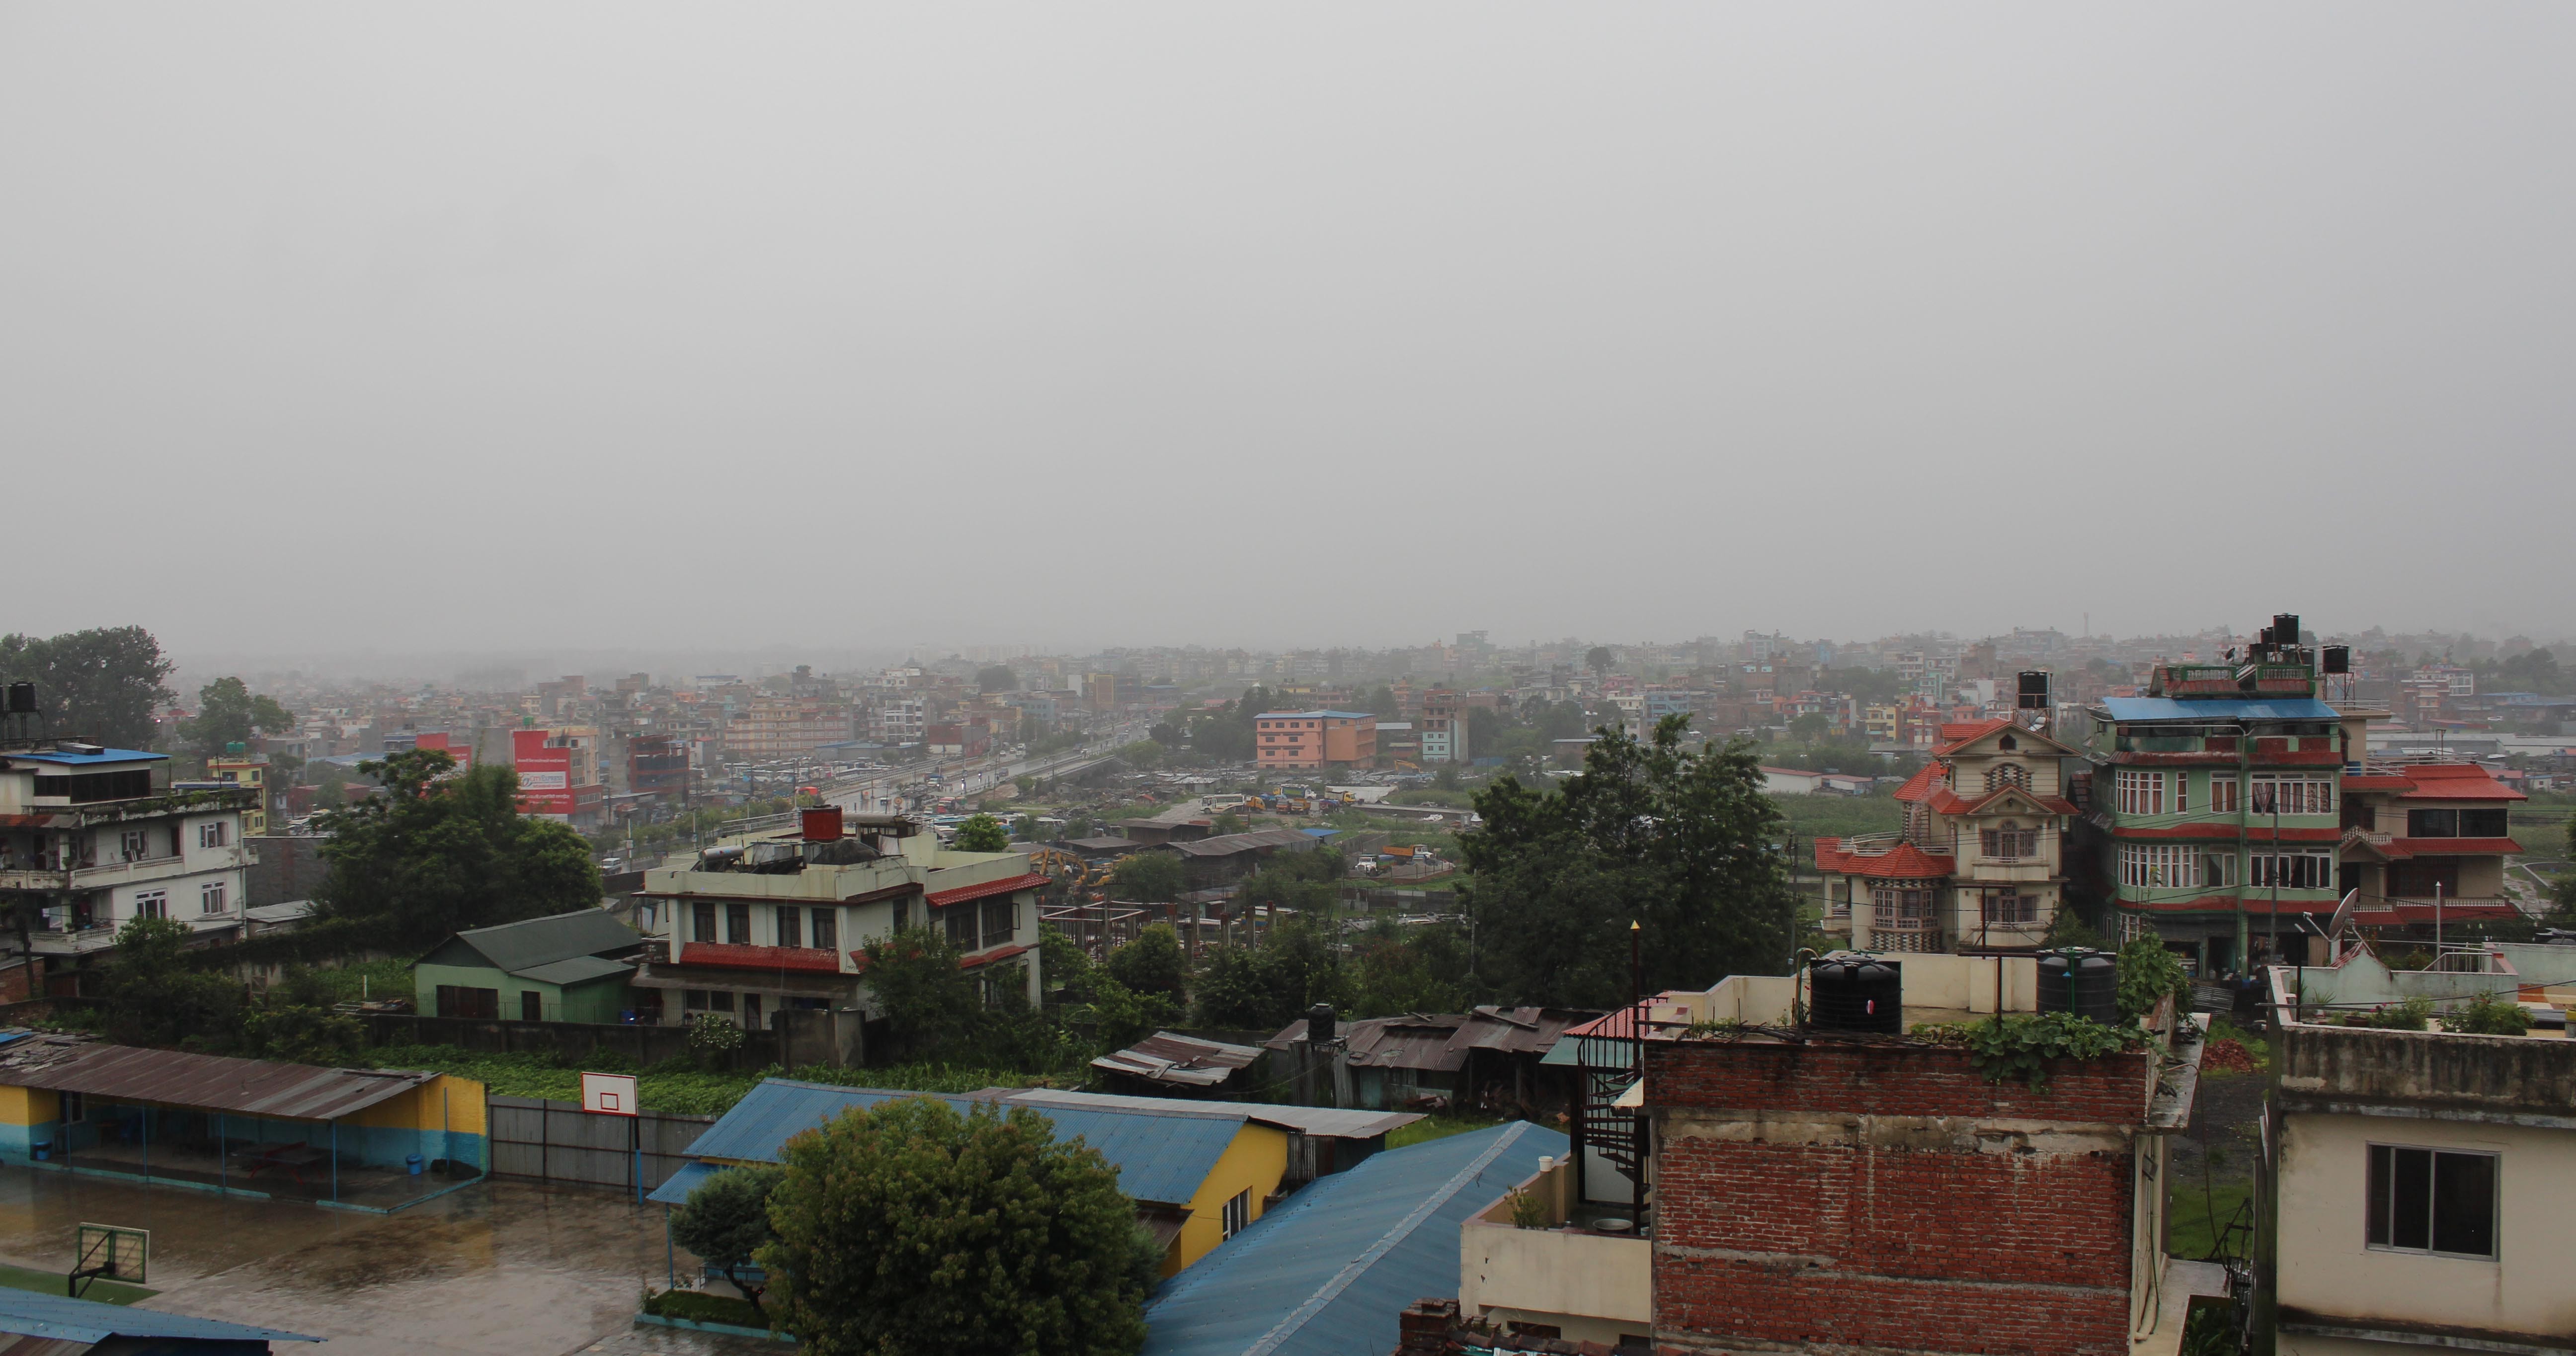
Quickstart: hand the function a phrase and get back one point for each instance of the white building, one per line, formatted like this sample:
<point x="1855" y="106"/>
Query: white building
<point x="92" y="838"/>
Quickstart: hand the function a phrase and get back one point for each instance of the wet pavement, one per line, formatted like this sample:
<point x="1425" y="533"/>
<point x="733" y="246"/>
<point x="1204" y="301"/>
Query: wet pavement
<point x="498" y="1268"/>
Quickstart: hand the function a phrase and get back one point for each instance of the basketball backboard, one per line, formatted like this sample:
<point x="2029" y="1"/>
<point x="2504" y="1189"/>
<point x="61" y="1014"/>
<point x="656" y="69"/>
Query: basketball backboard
<point x="608" y="1094"/>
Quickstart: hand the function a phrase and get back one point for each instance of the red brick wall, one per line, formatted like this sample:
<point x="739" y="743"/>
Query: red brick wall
<point x="1901" y="1234"/>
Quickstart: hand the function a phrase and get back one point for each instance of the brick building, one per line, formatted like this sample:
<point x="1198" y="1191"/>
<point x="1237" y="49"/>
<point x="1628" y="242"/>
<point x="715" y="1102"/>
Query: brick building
<point x="1315" y="739"/>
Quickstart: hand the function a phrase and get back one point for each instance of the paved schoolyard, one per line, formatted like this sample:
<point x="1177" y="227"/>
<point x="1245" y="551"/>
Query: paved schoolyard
<point x="497" y="1269"/>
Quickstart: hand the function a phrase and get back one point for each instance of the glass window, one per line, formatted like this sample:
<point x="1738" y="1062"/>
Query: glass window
<point x="827" y="931"/>
<point x="152" y="904"/>
<point x="210" y="899"/>
<point x="738" y="924"/>
<point x="2432" y="1200"/>
<point x="702" y="922"/>
<point x="791" y="931"/>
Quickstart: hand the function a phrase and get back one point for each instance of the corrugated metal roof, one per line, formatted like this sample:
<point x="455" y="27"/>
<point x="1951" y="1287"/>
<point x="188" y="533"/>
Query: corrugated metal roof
<point x="1439" y="1042"/>
<point x="84" y="759"/>
<point x="1327" y="1272"/>
<point x="253" y="1087"/>
<point x="1162" y="1155"/>
<point x="1323" y="1121"/>
<point x="1165" y="1057"/>
<point x="689" y="1178"/>
<point x="513" y="947"/>
<point x="2168" y="708"/>
<point x="1227" y="844"/>
<point x="575" y="969"/>
<point x="34" y="1313"/>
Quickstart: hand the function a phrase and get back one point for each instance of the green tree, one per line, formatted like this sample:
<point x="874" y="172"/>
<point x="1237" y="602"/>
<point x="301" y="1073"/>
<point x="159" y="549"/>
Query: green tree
<point x="997" y="678"/>
<point x="229" y="713"/>
<point x="1381" y="702"/>
<point x="1148" y="878"/>
<point x="726" y="1222"/>
<point x="100" y="684"/>
<point x="1228" y="822"/>
<point x="931" y="1005"/>
<point x="981" y="833"/>
<point x="908" y="1228"/>
<point x="154" y="998"/>
<point x="1684" y="844"/>
<point x="1395" y="970"/>
<point x="442" y="851"/>
<point x="1599" y="659"/>
<point x="1268" y="986"/>
<point x="1142" y="755"/>
<point x="303" y="1033"/>
<point x="1153" y="963"/>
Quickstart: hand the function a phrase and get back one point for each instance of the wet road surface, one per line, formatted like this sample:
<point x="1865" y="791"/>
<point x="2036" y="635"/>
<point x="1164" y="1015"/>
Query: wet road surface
<point x="498" y="1268"/>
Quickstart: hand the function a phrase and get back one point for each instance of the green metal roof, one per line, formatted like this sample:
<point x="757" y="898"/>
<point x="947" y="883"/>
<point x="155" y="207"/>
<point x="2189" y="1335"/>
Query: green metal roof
<point x="575" y="970"/>
<point x="519" y="947"/>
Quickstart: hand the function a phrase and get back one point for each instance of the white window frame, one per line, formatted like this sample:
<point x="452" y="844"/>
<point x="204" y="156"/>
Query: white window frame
<point x="2160" y="866"/>
<point x="2266" y="868"/>
<point x="152" y="904"/>
<point x="2141" y="793"/>
<point x="1237" y="1215"/>
<point x="2226" y="795"/>
<point x="212" y="898"/>
<point x="2299" y="793"/>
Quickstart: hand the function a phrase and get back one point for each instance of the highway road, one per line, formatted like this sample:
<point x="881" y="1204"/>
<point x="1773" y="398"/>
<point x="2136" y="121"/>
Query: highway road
<point x="880" y="790"/>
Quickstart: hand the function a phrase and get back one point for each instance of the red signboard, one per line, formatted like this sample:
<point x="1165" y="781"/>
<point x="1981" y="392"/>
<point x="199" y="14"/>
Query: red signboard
<point x="545" y="775"/>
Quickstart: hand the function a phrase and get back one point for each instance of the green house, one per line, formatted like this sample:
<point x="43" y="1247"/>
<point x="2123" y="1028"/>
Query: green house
<point x="572" y="967"/>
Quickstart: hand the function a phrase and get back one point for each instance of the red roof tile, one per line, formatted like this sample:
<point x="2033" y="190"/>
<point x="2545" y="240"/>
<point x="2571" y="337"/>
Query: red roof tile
<point x="989" y="888"/>
<point x="1902" y="862"/>
<point x="2448" y="847"/>
<point x="2455" y="781"/>
<point x="728" y="956"/>
<point x="1920" y="784"/>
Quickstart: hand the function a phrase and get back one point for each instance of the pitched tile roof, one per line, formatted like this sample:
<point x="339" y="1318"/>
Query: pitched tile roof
<point x="1904" y="861"/>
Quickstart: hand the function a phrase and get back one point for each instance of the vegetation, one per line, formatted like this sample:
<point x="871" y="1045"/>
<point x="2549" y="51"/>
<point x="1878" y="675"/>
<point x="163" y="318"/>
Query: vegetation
<point x="2487" y="1015"/>
<point x="1813" y="817"/>
<point x="443" y="851"/>
<point x="2414" y="1014"/>
<point x="1267" y="986"/>
<point x="1153" y="963"/>
<point x="2148" y="971"/>
<point x="996" y="678"/>
<point x="697" y="1306"/>
<point x="907" y="1227"/>
<point x="936" y="1011"/>
<point x="982" y="833"/>
<point x="726" y="1220"/>
<point x="228" y="714"/>
<point x="679" y="1086"/>
<point x="2020" y="1045"/>
<point x="1148" y="878"/>
<point x="154" y="998"/>
<point x="1436" y="1127"/>
<point x="99" y="684"/>
<point x="1681" y="844"/>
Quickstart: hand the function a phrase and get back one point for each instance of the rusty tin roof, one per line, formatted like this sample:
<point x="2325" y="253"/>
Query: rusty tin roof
<point x="252" y="1087"/>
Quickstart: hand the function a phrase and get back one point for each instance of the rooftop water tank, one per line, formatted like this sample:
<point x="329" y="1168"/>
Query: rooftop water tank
<point x="1856" y="994"/>
<point x="2086" y="983"/>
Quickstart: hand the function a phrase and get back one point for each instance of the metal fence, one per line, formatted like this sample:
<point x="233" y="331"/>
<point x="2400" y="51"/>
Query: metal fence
<point x="560" y="1142"/>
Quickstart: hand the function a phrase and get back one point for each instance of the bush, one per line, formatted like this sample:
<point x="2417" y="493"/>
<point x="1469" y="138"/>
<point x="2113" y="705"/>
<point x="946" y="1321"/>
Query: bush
<point x="726" y="1220"/>
<point x="2410" y="1015"/>
<point x="712" y="1039"/>
<point x="2149" y="970"/>
<point x="299" y="1034"/>
<point x="697" y="1306"/>
<point x="2020" y="1046"/>
<point x="2488" y="1015"/>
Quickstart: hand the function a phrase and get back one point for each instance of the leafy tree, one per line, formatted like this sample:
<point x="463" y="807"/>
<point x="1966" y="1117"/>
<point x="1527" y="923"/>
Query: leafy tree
<point x="1598" y="659"/>
<point x="303" y="1033"/>
<point x="154" y="998"/>
<point x="997" y="678"/>
<point x="1027" y="829"/>
<point x="228" y="713"/>
<point x="1484" y="731"/>
<point x="439" y="853"/>
<point x="906" y="1227"/>
<point x="1381" y="703"/>
<point x="1397" y="970"/>
<point x="726" y="1222"/>
<point x="1153" y="963"/>
<point x="1682" y="843"/>
<point x="1148" y="878"/>
<point x="930" y="1004"/>
<point x="1142" y="755"/>
<point x="1268" y="986"/>
<point x="1228" y="822"/>
<point x="982" y="833"/>
<point x="100" y="684"/>
<point x="1121" y="1016"/>
<point x="1809" y="728"/>
<point x="1167" y="734"/>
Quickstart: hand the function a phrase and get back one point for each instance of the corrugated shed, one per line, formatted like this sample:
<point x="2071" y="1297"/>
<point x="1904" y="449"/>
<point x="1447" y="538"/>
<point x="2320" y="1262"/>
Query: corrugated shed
<point x="1165" y="1057"/>
<point x="1326" y="1273"/>
<point x="1321" y="1121"/>
<point x="689" y="1178"/>
<point x="33" y="1313"/>
<point x="1440" y="1042"/>
<point x="253" y="1087"/>
<point x="1162" y="1155"/>
<point x="1227" y="844"/>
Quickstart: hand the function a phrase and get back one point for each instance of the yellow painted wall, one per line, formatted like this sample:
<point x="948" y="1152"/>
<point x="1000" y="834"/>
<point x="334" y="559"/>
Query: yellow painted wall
<point x="28" y="1106"/>
<point x="1254" y="1162"/>
<point x="421" y="1109"/>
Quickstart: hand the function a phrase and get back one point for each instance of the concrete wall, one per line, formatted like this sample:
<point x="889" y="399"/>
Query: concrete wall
<point x="1591" y="1287"/>
<point x="1255" y="1162"/>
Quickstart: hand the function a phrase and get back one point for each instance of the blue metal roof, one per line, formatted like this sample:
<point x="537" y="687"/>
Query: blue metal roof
<point x="33" y="1313"/>
<point x="1328" y="1271"/>
<point x="1161" y="1156"/>
<point x="689" y="1178"/>
<point x="2167" y="708"/>
<point x="77" y="759"/>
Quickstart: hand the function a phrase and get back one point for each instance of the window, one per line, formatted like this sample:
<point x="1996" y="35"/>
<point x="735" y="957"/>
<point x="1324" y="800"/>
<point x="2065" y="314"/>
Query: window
<point x="719" y="1000"/>
<point x="210" y="899"/>
<point x="2218" y="868"/>
<point x="456" y="1000"/>
<point x="693" y="1000"/>
<point x="532" y="1006"/>
<point x="2293" y="870"/>
<point x="738" y="924"/>
<point x="152" y="904"/>
<point x="1238" y="1213"/>
<point x="2011" y="910"/>
<point x="134" y="845"/>
<point x="702" y="922"/>
<point x="2456" y="824"/>
<point x="1894" y="908"/>
<point x="959" y="920"/>
<point x="790" y="925"/>
<point x="2223" y="796"/>
<point x="2009" y="842"/>
<point x="2142" y="793"/>
<point x="2432" y="1200"/>
<point x="2292" y="795"/>
<point x="2159" y="866"/>
<point x="2002" y="775"/>
<point x="997" y="921"/>
<point x="214" y="835"/>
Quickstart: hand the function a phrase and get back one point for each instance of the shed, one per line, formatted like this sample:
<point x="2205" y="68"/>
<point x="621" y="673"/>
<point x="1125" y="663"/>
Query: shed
<point x="1177" y="1064"/>
<point x="570" y="967"/>
<point x="1328" y="1271"/>
<point x="1490" y="1058"/>
<point x="58" y="1325"/>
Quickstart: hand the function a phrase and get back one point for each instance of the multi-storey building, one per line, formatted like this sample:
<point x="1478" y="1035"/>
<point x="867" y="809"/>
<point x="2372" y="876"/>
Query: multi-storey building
<point x="2215" y="799"/>
<point x="781" y="920"/>
<point x="657" y="765"/>
<point x="1443" y="727"/>
<point x="250" y="773"/>
<point x="770" y="727"/>
<point x="93" y="838"/>
<point x="2425" y="843"/>
<point x="1980" y="861"/>
<point x="558" y="774"/>
<point x="1314" y="739"/>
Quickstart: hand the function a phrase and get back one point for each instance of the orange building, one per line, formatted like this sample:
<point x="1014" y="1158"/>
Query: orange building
<point x="1293" y="739"/>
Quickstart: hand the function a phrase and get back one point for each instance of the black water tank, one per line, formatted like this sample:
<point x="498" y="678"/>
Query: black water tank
<point x="1319" y="1024"/>
<point x="2086" y="983"/>
<point x="2033" y="695"/>
<point x="1856" y="995"/>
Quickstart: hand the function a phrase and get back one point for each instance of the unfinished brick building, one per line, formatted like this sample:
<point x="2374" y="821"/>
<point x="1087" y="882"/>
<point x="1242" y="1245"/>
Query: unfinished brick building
<point x="1820" y="1191"/>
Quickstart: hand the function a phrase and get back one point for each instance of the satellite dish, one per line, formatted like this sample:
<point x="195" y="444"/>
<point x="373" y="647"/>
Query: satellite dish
<point x="2343" y="913"/>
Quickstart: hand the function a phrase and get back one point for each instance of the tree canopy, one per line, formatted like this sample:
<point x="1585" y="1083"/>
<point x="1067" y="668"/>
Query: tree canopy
<point x="996" y="678"/>
<point x="982" y="833"/>
<point x="1148" y="878"/>
<point x="1682" y="843"/>
<point x="726" y="1221"/>
<point x="907" y="1228"/>
<point x="229" y="713"/>
<point x="1153" y="963"/>
<point x="439" y="853"/>
<point x="99" y="684"/>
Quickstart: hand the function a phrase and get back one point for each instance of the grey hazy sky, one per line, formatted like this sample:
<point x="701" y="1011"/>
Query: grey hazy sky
<point x="505" y="325"/>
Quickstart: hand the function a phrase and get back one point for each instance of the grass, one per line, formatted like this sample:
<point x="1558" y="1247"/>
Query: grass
<point x="2192" y="1220"/>
<point x="697" y="1306"/>
<point x="2221" y="1029"/>
<point x="51" y="1283"/>
<point x="360" y="980"/>
<point x="679" y="1089"/>
<point x="1436" y="1127"/>
<point x="1839" y="816"/>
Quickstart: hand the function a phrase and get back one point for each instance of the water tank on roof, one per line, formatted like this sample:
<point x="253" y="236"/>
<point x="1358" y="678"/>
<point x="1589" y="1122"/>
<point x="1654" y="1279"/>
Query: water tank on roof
<point x="2086" y="983"/>
<point x="1856" y="994"/>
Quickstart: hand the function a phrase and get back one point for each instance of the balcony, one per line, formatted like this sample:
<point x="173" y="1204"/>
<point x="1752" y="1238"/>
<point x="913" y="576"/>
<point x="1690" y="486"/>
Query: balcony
<point x="1556" y="1263"/>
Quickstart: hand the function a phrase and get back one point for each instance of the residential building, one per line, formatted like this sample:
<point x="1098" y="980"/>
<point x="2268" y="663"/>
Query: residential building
<point x="92" y="838"/>
<point x="570" y="967"/>
<point x="1314" y="739"/>
<point x="2426" y="842"/>
<point x="1442" y="729"/>
<point x="2214" y="818"/>
<point x="2420" y="1181"/>
<point x="559" y="774"/>
<point x="1979" y="864"/>
<point x="773" y="726"/>
<point x="657" y="765"/>
<point x="250" y="773"/>
<point x="780" y="920"/>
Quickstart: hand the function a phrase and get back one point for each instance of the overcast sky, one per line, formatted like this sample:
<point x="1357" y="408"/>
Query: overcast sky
<point x="506" y="326"/>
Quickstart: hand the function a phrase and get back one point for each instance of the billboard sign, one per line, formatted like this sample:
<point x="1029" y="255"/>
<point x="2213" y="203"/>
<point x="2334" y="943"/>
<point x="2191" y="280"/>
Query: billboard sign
<point x="545" y="774"/>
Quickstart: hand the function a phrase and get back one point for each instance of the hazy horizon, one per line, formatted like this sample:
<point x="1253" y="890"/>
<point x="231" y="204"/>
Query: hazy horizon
<point x="653" y="329"/>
